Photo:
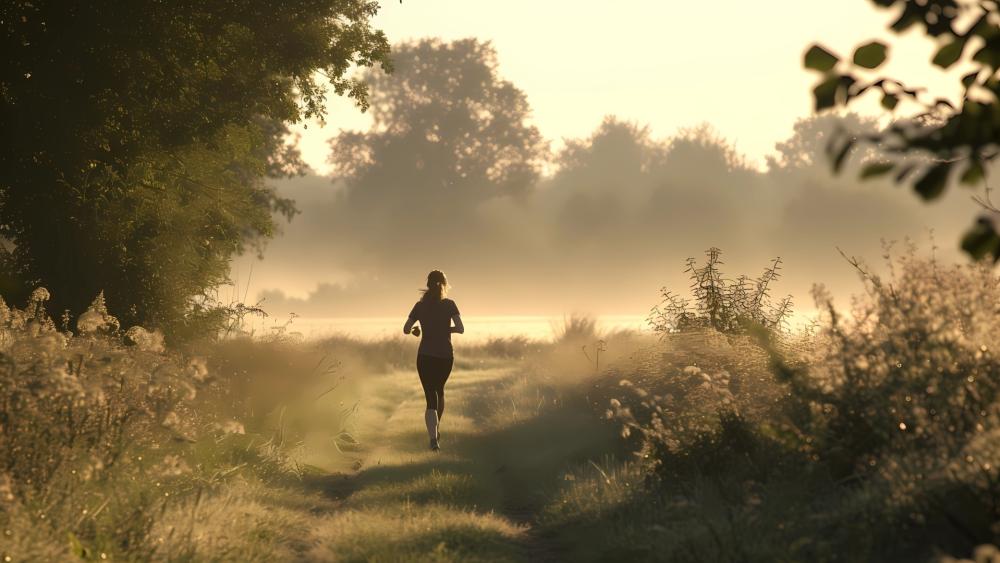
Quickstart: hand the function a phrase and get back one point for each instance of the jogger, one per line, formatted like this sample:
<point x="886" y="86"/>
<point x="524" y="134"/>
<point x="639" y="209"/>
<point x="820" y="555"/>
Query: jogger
<point x="435" y="356"/>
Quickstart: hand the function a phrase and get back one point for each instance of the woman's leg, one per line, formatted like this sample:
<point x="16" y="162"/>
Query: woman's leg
<point x="444" y="370"/>
<point x="425" y="369"/>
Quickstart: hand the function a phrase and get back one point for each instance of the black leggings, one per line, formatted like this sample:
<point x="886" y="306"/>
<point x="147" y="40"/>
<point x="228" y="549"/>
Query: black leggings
<point x="434" y="373"/>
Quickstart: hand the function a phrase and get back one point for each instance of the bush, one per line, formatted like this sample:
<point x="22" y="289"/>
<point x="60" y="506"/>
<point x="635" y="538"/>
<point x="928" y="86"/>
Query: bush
<point x="911" y="370"/>
<point x="72" y="410"/>
<point x="577" y="328"/>
<point x="726" y="305"/>
<point x="872" y="437"/>
<point x="102" y="432"/>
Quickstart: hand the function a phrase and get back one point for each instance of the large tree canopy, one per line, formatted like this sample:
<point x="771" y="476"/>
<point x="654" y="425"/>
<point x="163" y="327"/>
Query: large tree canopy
<point x="445" y="125"/>
<point x="137" y="136"/>
<point x="944" y="142"/>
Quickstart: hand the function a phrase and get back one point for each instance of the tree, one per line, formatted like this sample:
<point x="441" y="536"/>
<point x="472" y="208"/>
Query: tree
<point x="446" y="128"/>
<point x="943" y="142"/>
<point x="137" y="137"/>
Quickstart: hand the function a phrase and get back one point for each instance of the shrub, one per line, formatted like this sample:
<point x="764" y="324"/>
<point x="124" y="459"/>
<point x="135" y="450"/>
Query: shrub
<point x="101" y="431"/>
<point x="726" y="305"/>
<point x="885" y="418"/>
<point x="577" y="328"/>
<point x="72" y="412"/>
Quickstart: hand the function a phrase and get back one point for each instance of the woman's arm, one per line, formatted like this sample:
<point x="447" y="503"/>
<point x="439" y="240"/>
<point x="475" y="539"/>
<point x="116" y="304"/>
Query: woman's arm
<point x="409" y="325"/>
<point x="459" y="327"/>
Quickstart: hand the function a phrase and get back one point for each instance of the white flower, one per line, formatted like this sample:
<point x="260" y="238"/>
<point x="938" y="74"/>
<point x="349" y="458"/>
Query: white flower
<point x="40" y="295"/>
<point x="145" y="340"/>
<point x="90" y="321"/>
<point x="96" y="318"/>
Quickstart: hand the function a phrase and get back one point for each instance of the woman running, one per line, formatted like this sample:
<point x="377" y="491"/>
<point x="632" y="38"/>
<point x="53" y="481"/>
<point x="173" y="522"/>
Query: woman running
<point x="435" y="356"/>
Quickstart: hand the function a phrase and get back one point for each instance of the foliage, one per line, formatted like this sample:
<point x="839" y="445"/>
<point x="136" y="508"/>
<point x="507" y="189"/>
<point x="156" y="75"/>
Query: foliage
<point x="910" y="375"/>
<point x="871" y="437"/>
<point x="728" y="306"/>
<point x="137" y="138"/>
<point x="71" y="410"/>
<point x="106" y="436"/>
<point x="445" y="127"/>
<point x="952" y="142"/>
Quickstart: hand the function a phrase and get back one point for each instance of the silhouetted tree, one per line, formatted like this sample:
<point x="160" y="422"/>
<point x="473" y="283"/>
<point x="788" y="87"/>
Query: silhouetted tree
<point x="953" y="142"/>
<point x="446" y="128"/>
<point x="601" y="182"/>
<point x="137" y="136"/>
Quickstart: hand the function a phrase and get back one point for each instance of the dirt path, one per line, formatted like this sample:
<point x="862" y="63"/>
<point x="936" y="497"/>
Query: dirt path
<point x="479" y="498"/>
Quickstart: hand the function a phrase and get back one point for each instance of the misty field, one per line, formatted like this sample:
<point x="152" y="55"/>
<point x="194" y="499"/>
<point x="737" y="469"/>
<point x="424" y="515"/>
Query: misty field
<point x="720" y="436"/>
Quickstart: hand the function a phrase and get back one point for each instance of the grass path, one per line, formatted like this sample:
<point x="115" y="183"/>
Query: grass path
<point x="503" y="452"/>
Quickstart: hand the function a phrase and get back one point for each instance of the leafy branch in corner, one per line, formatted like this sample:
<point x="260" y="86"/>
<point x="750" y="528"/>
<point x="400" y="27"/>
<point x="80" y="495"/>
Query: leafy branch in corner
<point x="943" y="141"/>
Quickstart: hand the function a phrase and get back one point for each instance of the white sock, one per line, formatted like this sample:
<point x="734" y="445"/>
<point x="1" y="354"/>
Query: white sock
<point x="431" y="418"/>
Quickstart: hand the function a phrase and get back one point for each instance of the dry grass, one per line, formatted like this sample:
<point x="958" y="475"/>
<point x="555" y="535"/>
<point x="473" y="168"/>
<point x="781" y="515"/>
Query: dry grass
<point x="217" y="452"/>
<point x="872" y="438"/>
<point x="417" y="532"/>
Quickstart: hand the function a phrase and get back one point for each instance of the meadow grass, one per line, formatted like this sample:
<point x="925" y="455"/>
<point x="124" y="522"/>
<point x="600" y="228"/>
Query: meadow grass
<point x="251" y="449"/>
<point x="871" y="437"/>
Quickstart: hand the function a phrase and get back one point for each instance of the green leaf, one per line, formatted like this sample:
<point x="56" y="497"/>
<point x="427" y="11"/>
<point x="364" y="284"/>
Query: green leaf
<point x="889" y="101"/>
<point x="933" y="183"/>
<point x="974" y="173"/>
<point x="982" y="240"/>
<point x="825" y="94"/>
<point x="876" y="169"/>
<point x="818" y="58"/>
<point x="870" y="55"/>
<point x="949" y="54"/>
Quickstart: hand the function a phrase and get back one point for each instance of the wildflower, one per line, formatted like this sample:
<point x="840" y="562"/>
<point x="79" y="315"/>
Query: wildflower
<point x="39" y="295"/>
<point x="144" y="340"/>
<point x="96" y="318"/>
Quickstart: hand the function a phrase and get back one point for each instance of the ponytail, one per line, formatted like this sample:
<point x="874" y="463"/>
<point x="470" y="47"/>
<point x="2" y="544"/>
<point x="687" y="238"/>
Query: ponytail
<point x="437" y="287"/>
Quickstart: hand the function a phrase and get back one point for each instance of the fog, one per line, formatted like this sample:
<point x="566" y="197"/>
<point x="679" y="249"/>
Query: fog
<point x="453" y="176"/>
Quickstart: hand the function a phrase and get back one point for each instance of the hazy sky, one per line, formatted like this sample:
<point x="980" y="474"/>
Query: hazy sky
<point x="604" y="236"/>
<point x="666" y="63"/>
